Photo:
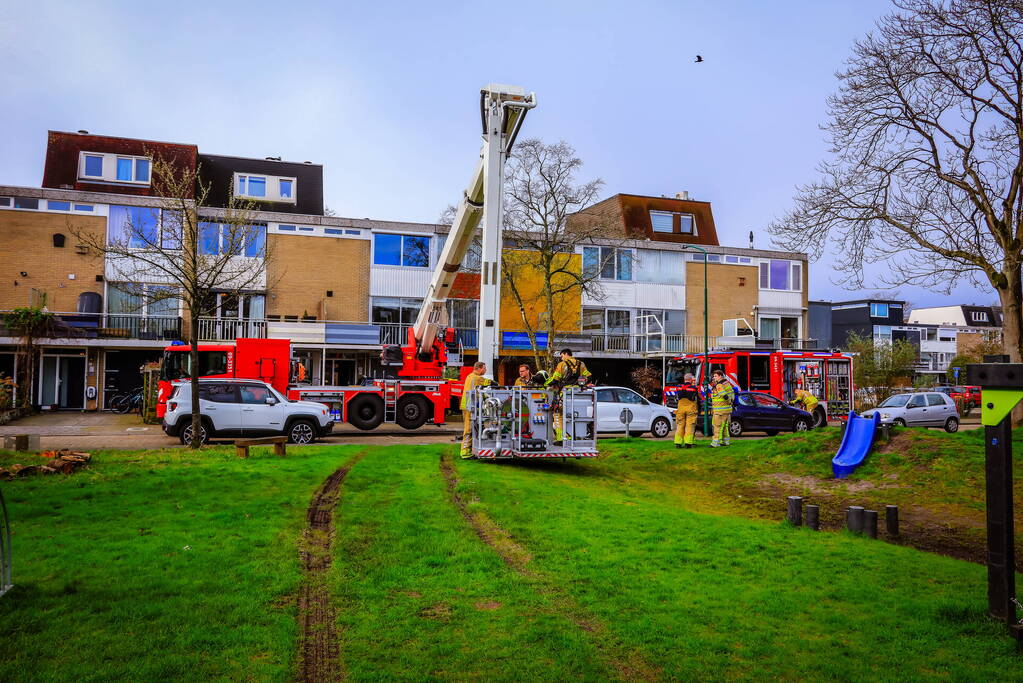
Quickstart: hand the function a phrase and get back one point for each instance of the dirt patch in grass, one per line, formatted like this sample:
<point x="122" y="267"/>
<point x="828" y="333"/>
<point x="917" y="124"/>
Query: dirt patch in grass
<point x="319" y="641"/>
<point x="487" y="605"/>
<point x="628" y="664"/>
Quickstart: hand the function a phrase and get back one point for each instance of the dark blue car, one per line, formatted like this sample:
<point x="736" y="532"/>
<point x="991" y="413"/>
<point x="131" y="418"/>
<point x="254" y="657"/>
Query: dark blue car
<point x="754" y="411"/>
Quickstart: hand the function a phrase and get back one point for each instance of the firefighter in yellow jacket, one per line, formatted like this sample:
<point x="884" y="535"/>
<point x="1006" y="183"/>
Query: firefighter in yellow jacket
<point x="685" y="414"/>
<point x="721" y="397"/>
<point x="809" y="401"/>
<point x="473" y="380"/>
<point x="568" y="373"/>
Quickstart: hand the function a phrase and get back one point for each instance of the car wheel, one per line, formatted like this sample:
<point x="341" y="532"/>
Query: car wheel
<point x="820" y="418"/>
<point x="366" y="411"/>
<point x="952" y="425"/>
<point x="186" y="434"/>
<point x="660" y="428"/>
<point x="734" y="427"/>
<point x="899" y="422"/>
<point x="801" y="424"/>
<point x="302" y="432"/>
<point x="413" y="412"/>
<point x="771" y="432"/>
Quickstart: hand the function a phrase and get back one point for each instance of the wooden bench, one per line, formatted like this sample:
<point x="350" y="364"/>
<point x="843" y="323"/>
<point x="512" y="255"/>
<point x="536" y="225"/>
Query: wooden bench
<point x="241" y="446"/>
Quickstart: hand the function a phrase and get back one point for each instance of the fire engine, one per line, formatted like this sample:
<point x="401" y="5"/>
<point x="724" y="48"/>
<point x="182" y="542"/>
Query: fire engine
<point x="419" y="392"/>
<point x="825" y="374"/>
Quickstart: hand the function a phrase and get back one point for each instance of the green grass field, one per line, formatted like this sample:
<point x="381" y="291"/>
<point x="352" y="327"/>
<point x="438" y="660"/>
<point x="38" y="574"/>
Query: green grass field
<point x="643" y="564"/>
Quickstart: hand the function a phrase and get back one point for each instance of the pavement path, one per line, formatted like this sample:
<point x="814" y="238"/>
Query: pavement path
<point x="91" y="431"/>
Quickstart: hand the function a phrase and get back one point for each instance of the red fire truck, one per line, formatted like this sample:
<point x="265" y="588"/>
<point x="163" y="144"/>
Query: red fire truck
<point x="410" y="401"/>
<point x="825" y="374"/>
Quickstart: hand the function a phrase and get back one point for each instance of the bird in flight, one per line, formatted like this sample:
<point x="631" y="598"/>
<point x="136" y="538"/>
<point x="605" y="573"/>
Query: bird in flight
<point x="699" y="59"/>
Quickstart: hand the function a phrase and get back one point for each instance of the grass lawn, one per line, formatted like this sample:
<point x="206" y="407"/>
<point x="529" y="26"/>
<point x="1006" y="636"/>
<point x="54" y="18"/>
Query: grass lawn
<point x="167" y="564"/>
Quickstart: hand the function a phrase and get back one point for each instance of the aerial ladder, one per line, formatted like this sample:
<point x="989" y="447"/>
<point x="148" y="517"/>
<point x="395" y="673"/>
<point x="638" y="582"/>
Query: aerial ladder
<point x="425" y="353"/>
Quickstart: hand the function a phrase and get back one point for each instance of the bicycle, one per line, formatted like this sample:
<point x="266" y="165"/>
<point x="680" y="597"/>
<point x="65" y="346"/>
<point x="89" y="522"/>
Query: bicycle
<point x="127" y="402"/>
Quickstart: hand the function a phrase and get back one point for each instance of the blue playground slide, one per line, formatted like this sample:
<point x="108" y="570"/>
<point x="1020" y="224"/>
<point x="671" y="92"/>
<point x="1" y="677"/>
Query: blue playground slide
<point x="856" y="443"/>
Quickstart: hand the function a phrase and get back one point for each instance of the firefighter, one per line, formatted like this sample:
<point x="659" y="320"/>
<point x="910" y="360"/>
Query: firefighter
<point x="721" y="396"/>
<point x="685" y="414"/>
<point x="806" y="399"/>
<point x="569" y="372"/>
<point x="473" y="380"/>
<point x="525" y="378"/>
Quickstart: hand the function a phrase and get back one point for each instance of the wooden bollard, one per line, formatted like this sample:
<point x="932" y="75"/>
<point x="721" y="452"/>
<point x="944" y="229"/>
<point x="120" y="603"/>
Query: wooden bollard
<point x="854" y="519"/>
<point x="813" y="517"/>
<point x="891" y="518"/>
<point x="795" y="512"/>
<point x="870" y="523"/>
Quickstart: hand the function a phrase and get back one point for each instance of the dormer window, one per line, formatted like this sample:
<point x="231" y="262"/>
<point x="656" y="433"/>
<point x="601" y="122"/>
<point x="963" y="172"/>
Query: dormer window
<point x="265" y="188"/>
<point x="114" y="168"/>
<point x="672" y="222"/>
<point x="979" y="316"/>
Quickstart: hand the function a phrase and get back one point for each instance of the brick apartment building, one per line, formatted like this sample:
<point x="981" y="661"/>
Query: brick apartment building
<point x="339" y="287"/>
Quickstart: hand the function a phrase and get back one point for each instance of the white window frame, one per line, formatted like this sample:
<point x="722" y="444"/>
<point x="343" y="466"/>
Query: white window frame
<point x="109" y="175"/>
<point x="273" y="187"/>
<point x="792" y="265"/>
<point x="887" y="310"/>
<point x="978" y="316"/>
<point x="692" y="221"/>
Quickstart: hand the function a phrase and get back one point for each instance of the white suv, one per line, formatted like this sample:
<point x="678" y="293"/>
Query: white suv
<point x="244" y="408"/>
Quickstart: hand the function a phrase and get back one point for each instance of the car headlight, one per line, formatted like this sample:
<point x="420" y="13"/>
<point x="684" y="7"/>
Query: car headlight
<point x="886" y="416"/>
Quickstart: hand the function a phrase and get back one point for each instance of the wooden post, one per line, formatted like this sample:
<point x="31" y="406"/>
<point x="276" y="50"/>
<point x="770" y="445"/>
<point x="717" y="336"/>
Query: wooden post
<point x="813" y="517"/>
<point x="854" y="519"/>
<point x="795" y="511"/>
<point x="870" y="523"/>
<point x="891" y="518"/>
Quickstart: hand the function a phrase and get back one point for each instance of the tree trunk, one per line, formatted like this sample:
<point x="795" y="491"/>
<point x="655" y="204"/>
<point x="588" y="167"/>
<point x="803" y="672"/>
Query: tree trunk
<point x="193" y="354"/>
<point x="1011" y="297"/>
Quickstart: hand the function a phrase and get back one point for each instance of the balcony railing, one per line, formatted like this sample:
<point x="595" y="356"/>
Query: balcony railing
<point x="108" y="326"/>
<point x="229" y="329"/>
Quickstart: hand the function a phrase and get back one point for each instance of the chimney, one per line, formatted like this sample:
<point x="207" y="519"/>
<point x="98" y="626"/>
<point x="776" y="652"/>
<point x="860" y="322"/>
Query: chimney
<point x="684" y="194"/>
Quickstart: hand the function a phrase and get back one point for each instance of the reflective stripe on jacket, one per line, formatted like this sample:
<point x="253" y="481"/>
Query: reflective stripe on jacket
<point x="721" y="397"/>
<point x="471" y="382"/>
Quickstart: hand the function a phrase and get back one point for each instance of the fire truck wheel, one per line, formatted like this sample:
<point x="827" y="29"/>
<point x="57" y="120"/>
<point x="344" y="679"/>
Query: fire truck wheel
<point x="366" y="412"/>
<point x="660" y="428"/>
<point x="820" y="418"/>
<point x="413" y="412"/>
<point x="734" y="427"/>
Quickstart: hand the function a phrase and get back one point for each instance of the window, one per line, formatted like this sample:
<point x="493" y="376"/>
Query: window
<point x="463" y="313"/>
<point x="878" y="310"/>
<point x="136" y="226"/>
<point x="93" y="166"/>
<point x="395" y="310"/>
<point x="5" y="201"/>
<point x="83" y="207"/>
<point x="670" y="222"/>
<point x="781" y="275"/>
<point x="935" y="400"/>
<point x="142" y="299"/>
<point x="629" y="396"/>
<point x="255" y="393"/>
<point x="978" y="316"/>
<point x="332" y="231"/>
<point x="58" y="206"/>
<point x="287" y="228"/>
<point x="353" y="232"/>
<point x="883" y="332"/>
<point x="219" y="393"/>
<point x="401" y="250"/>
<point x="114" y="168"/>
<point x="665" y="267"/>
<point x="917" y="401"/>
<point x="946" y="335"/>
<point x="265" y="187"/>
<point x="26" y="203"/>
<point x="224" y="238"/>
<point x="610" y="263"/>
<point x="661" y="221"/>
<point x="765" y="401"/>
<point x="606" y="396"/>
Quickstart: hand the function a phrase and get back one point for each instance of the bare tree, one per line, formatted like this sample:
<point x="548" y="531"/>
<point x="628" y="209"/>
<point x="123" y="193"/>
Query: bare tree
<point x="926" y="166"/>
<point x="542" y="270"/>
<point x="183" y="252"/>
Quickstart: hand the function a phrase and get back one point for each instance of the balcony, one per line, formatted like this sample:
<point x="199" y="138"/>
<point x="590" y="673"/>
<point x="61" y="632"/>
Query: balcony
<point x="318" y="332"/>
<point x="108" y="326"/>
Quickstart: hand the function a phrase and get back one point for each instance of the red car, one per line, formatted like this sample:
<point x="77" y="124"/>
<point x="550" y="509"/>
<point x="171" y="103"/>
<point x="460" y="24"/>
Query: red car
<point x="966" y="398"/>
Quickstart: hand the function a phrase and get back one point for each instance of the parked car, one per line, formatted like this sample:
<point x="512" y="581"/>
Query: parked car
<point x="919" y="409"/>
<point x="646" y="416"/>
<point x="974" y="394"/>
<point x="754" y="411"/>
<point x="962" y="396"/>
<point x="244" y="408"/>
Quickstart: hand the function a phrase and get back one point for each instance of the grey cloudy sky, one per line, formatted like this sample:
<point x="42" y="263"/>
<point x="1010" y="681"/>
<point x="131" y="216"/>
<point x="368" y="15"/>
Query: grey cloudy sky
<point x="385" y="94"/>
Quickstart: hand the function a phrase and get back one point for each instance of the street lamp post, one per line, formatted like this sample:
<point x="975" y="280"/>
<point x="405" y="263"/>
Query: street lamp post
<point x="706" y="343"/>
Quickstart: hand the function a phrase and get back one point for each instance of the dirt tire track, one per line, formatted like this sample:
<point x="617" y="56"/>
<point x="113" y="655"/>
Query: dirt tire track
<point x="628" y="664"/>
<point x="319" y="644"/>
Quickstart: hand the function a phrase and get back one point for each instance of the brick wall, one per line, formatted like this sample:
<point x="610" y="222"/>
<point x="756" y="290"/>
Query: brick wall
<point x="26" y="245"/>
<point x="733" y="291"/>
<point x="302" y="270"/>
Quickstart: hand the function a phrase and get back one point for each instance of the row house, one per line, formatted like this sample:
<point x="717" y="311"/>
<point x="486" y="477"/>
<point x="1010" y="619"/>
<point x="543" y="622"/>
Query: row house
<point x="339" y="288"/>
<point x="884" y="321"/>
<point x="977" y="328"/>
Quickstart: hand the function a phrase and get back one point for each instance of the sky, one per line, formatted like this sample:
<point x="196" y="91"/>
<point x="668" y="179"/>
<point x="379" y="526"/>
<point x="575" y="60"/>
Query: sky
<point x="386" y="94"/>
